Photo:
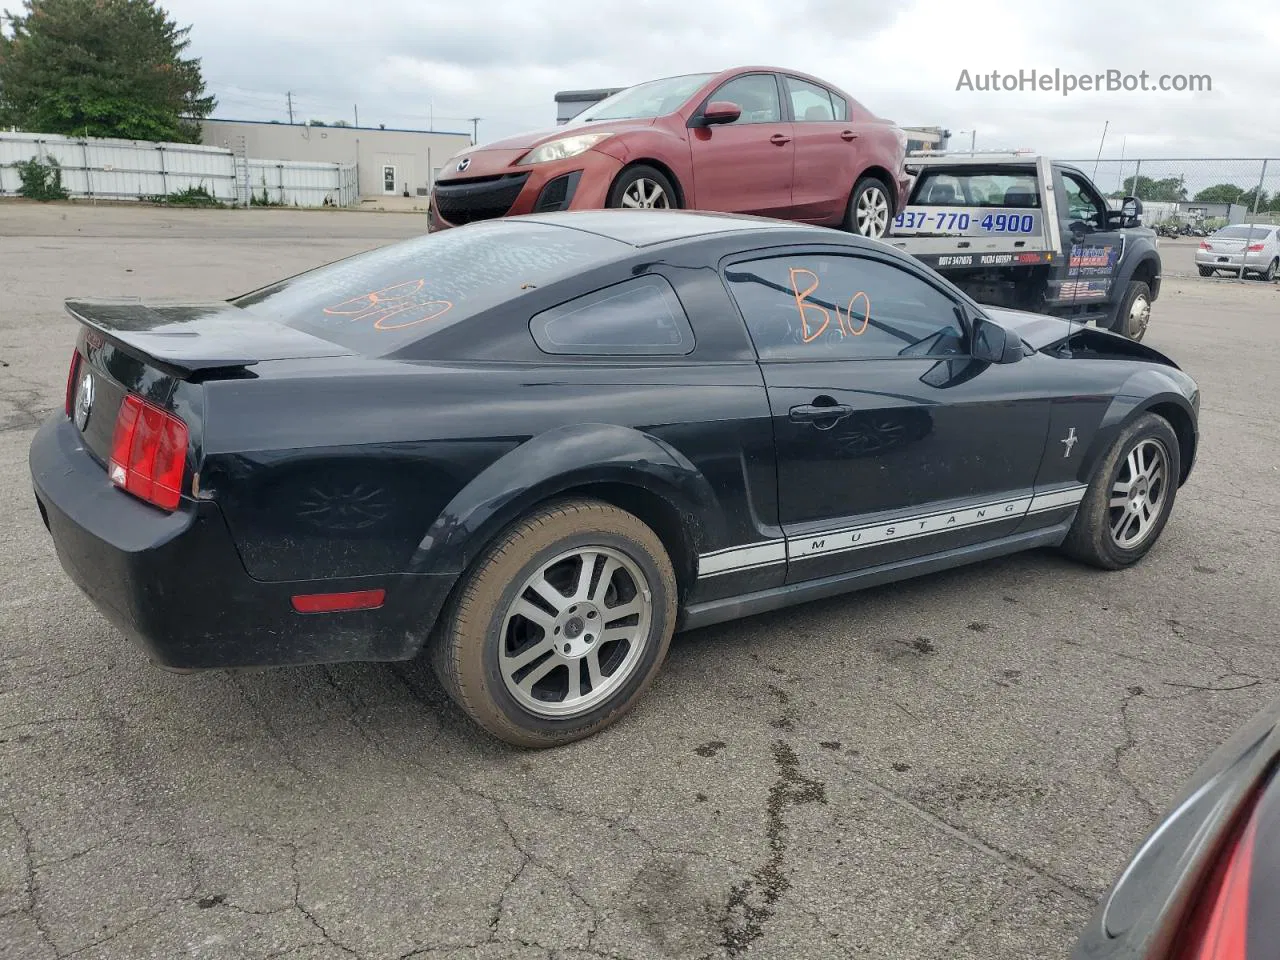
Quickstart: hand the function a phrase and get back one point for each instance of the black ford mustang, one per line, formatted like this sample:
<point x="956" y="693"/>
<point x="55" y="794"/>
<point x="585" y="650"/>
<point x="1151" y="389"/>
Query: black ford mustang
<point x="536" y="447"/>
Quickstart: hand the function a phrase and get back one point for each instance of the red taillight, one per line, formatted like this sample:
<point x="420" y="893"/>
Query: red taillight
<point x="71" y="380"/>
<point x="336" y="602"/>
<point x="1218" y="926"/>
<point x="149" y="453"/>
<point x="1204" y="245"/>
<point x="1255" y="248"/>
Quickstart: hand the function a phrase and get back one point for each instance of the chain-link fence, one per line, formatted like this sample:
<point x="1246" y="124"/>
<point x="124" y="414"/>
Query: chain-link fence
<point x="1205" y="193"/>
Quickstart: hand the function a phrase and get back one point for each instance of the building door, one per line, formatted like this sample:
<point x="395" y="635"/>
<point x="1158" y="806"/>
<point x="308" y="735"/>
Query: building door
<point x="388" y="178"/>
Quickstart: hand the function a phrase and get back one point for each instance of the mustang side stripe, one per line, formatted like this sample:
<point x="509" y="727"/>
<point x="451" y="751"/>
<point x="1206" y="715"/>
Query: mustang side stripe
<point x="740" y="558"/>
<point x="841" y="540"/>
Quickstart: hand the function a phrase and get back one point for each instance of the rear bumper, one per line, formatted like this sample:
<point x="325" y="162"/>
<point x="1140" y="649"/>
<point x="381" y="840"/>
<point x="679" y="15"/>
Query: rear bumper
<point x="174" y="584"/>
<point x="503" y="190"/>
<point x="1226" y="261"/>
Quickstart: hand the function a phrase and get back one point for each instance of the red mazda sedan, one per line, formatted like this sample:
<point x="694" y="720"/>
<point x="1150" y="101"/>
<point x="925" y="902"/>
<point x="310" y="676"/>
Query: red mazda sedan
<point x="754" y="140"/>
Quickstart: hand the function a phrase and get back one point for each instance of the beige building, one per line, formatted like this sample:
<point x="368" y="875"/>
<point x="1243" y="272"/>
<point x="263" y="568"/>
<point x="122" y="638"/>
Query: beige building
<point x="389" y="162"/>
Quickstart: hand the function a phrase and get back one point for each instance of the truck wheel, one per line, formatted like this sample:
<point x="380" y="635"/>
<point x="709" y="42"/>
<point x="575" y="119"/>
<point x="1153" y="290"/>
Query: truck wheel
<point x="560" y="626"/>
<point x="1129" y="498"/>
<point x="870" y="208"/>
<point x="1206" y="271"/>
<point x="643" y="188"/>
<point x="1135" y="311"/>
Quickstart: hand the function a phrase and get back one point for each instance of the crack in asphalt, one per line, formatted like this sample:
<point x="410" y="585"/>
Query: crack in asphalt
<point x="1119" y="751"/>
<point x="32" y="908"/>
<point x="976" y="842"/>
<point x="753" y="902"/>
<point x="297" y="903"/>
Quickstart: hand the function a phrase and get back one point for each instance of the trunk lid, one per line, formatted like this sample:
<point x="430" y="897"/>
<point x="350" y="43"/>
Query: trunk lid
<point x="161" y="352"/>
<point x="188" y="340"/>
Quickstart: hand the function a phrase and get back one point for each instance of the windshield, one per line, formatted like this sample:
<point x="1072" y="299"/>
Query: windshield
<point x="1242" y="233"/>
<point x="375" y="303"/>
<point x="656" y="98"/>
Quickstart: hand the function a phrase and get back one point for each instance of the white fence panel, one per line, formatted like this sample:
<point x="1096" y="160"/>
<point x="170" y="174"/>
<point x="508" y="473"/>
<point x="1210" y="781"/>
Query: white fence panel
<point x="298" y="183"/>
<point x="138" y="170"/>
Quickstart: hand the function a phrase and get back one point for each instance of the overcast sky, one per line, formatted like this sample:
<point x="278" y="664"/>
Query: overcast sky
<point x="503" y="60"/>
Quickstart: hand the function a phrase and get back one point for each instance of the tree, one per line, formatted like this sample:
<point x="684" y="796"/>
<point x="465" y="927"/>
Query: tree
<point x="1220" y="193"/>
<point x="1246" y="199"/>
<point x="1170" y="189"/>
<point x="102" y="68"/>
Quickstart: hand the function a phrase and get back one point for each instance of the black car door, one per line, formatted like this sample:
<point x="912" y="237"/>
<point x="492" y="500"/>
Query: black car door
<point x="1088" y="274"/>
<point x="892" y="441"/>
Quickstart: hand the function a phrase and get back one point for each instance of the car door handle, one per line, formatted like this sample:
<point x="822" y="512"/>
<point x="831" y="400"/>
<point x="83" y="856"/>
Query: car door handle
<point x="820" y="415"/>
<point x="848" y="135"/>
<point x="779" y="139"/>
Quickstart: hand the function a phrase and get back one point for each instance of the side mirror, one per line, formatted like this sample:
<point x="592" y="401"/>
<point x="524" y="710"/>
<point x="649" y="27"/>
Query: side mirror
<point x="994" y="344"/>
<point x="719" y="111"/>
<point x="1131" y="208"/>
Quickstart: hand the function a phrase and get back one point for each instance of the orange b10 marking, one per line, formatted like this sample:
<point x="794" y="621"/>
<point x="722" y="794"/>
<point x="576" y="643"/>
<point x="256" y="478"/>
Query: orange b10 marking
<point x="844" y="322"/>
<point x="397" y="300"/>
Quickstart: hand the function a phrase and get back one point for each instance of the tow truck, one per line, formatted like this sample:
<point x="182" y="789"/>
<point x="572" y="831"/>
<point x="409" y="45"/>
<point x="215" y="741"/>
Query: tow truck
<point x="1019" y="230"/>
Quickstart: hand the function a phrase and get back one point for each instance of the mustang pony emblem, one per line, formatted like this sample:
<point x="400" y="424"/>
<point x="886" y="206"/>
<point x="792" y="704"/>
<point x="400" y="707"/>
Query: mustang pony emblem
<point x="1069" y="442"/>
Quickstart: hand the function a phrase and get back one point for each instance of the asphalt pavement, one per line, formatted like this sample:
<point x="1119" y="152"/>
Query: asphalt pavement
<point x="955" y="767"/>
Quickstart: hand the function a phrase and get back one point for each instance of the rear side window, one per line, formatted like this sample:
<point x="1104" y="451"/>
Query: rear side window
<point x="639" y="317"/>
<point x="809" y="102"/>
<point x="378" y="302"/>
<point x="840" y="106"/>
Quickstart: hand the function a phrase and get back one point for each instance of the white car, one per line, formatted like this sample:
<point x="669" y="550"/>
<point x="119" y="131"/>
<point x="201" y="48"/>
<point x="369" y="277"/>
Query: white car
<point x="1256" y="244"/>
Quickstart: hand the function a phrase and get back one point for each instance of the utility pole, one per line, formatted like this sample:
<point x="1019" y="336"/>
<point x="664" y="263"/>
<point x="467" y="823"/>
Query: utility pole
<point x="290" y="96"/>
<point x="356" y="108"/>
<point x="475" y="130"/>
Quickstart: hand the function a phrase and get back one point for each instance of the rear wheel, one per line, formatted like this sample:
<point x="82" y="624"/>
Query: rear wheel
<point x="560" y="626"/>
<point x="870" y="208"/>
<point x="1206" y="271"/>
<point x="643" y="188"/>
<point x="1129" y="498"/>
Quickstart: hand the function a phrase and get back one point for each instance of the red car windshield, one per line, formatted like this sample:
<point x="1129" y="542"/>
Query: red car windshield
<point x="656" y="98"/>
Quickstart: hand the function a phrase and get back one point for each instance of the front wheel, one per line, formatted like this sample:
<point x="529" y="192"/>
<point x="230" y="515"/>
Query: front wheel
<point x="643" y="188"/>
<point x="1129" y="498"/>
<point x="870" y="209"/>
<point x="1135" y="311"/>
<point x="1269" y="274"/>
<point x="561" y="626"/>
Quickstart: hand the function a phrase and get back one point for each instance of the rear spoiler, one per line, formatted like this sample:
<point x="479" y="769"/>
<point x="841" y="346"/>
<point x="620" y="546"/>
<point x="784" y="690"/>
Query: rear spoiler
<point x="189" y="339"/>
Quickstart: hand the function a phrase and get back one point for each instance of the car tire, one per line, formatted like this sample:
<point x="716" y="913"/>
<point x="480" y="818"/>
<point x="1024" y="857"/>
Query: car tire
<point x="1142" y="469"/>
<point x="1269" y="275"/>
<point x="1206" y="271"/>
<point x="498" y="631"/>
<point x="870" y="208"/>
<point x="643" y="188"/>
<point x="1134" y="314"/>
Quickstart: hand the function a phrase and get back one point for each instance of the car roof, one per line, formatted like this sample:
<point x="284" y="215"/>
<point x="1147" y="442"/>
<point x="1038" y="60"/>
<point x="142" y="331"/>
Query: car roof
<point x="646" y="228"/>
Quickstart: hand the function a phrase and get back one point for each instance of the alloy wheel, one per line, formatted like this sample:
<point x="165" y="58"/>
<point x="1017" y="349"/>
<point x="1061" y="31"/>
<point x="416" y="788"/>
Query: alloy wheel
<point x="575" y="632"/>
<point x="872" y="212"/>
<point x="1138" y="495"/>
<point x="645" y="194"/>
